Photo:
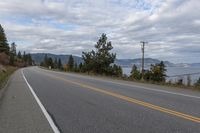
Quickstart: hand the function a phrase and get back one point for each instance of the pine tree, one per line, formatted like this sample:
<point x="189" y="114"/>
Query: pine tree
<point x="75" y="69"/>
<point x="4" y="46"/>
<point x="70" y="63"/>
<point x="19" y="55"/>
<point x="162" y="70"/>
<point x="158" y="72"/>
<point x="13" y="49"/>
<point x="12" y="59"/>
<point x="55" y="63"/>
<point x="99" y="61"/>
<point x="45" y="62"/>
<point x="25" y="58"/>
<point x="135" y="73"/>
<point x="89" y="61"/>
<point x="80" y="67"/>
<point x="116" y="71"/>
<point x="50" y="62"/>
<point x="197" y="83"/>
<point x="59" y="64"/>
<point x="103" y="56"/>
<point x="12" y="53"/>
<point x="29" y="59"/>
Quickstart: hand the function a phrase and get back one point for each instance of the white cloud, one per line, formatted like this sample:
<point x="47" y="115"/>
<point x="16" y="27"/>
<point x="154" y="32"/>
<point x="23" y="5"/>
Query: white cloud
<point x="73" y="26"/>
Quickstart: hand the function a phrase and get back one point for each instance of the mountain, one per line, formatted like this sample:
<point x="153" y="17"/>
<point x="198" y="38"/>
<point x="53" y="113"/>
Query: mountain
<point x="183" y="65"/>
<point x="137" y="62"/>
<point x="39" y="57"/>
<point x="195" y="64"/>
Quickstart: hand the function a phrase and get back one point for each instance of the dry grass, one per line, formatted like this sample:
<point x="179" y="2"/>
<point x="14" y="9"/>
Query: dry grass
<point x="4" y="76"/>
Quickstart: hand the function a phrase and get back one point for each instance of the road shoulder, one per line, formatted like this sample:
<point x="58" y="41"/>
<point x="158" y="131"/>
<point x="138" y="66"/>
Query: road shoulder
<point x="19" y="112"/>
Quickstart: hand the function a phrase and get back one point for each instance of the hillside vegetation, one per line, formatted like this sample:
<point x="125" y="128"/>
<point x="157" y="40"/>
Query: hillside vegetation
<point x="10" y="60"/>
<point x="5" y="74"/>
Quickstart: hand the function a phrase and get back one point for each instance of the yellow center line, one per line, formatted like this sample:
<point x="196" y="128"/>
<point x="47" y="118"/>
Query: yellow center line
<point x="132" y="100"/>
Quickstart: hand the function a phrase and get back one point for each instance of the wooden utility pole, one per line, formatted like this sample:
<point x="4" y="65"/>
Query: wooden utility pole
<point x="143" y="45"/>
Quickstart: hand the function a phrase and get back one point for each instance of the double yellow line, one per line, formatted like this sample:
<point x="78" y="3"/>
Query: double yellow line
<point x="135" y="101"/>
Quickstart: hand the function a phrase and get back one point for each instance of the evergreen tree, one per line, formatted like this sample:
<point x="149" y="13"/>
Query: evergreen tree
<point x="99" y="61"/>
<point x="119" y="71"/>
<point x="116" y="71"/>
<point x="42" y="63"/>
<point x="19" y="55"/>
<point x="45" y="62"/>
<point x="135" y="73"/>
<point x="29" y="59"/>
<point x="103" y="56"/>
<point x="147" y="75"/>
<point x="12" y="59"/>
<point x="158" y="72"/>
<point x="75" y="67"/>
<point x="55" y="63"/>
<point x="197" y="84"/>
<point x="4" y="46"/>
<point x="70" y="63"/>
<point x="50" y="62"/>
<point x="59" y="64"/>
<point x="188" y="80"/>
<point x="89" y="61"/>
<point x="80" y="67"/>
<point x="162" y="70"/>
<point x="25" y="58"/>
<point x="13" y="49"/>
<point x="12" y="53"/>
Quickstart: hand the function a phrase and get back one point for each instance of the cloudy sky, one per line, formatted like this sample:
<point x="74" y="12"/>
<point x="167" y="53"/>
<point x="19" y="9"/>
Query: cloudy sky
<point x="172" y="27"/>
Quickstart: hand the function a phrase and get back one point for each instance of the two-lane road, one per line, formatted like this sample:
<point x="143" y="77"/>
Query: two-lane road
<point x="84" y="104"/>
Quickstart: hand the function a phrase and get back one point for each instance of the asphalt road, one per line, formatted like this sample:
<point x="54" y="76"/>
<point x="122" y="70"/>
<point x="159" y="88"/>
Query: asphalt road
<point x="84" y="104"/>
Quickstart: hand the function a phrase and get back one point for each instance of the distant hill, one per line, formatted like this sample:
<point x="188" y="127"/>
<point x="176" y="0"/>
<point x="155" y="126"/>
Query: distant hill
<point x="39" y="57"/>
<point x="195" y="64"/>
<point x="137" y="62"/>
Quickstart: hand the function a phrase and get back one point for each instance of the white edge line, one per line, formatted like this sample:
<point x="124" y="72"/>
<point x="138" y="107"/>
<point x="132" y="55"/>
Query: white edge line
<point x="142" y="87"/>
<point x="46" y="114"/>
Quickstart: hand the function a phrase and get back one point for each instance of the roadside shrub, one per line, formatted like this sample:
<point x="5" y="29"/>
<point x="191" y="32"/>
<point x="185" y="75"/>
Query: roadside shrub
<point x="180" y="81"/>
<point x="197" y="84"/>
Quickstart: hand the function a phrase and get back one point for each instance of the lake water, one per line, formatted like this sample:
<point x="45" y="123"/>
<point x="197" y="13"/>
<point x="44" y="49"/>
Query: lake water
<point x="171" y="71"/>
